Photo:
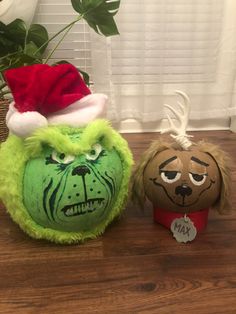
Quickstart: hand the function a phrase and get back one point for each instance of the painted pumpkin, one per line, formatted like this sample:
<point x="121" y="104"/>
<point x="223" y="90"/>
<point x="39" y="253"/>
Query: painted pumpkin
<point x="182" y="182"/>
<point x="67" y="184"/>
<point x="182" y="179"/>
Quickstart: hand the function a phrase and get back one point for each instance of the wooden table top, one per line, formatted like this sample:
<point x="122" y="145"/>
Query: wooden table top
<point x="135" y="267"/>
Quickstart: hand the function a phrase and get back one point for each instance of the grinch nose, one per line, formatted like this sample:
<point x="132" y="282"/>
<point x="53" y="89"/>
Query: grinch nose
<point x="80" y="171"/>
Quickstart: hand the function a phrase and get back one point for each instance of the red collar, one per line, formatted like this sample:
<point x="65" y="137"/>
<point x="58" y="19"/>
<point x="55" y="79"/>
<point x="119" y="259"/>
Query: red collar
<point x="165" y="217"/>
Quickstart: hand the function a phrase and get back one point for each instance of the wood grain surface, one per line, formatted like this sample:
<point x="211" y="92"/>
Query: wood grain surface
<point x="135" y="267"/>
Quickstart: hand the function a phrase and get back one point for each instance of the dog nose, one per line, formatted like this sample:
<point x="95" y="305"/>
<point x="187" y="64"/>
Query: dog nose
<point x="80" y="171"/>
<point x="183" y="190"/>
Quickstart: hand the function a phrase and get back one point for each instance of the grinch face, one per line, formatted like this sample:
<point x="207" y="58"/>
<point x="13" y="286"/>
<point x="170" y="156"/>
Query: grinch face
<point x="182" y="181"/>
<point x="72" y="193"/>
<point x="67" y="184"/>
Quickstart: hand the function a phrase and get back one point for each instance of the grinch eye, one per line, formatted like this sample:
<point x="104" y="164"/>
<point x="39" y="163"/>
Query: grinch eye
<point x="197" y="179"/>
<point x="170" y="176"/>
<point x="94" y="152"/>
<point x="62" y="158"/>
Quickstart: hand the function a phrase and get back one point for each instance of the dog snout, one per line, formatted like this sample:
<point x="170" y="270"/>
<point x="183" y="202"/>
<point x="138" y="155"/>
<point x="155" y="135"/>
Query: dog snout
<point x="183" y="190"/>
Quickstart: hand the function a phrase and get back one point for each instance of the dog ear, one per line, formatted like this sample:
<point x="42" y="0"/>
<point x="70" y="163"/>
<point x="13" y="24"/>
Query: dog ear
<point x="223" y="162"/>
<point x="137" y="188"/>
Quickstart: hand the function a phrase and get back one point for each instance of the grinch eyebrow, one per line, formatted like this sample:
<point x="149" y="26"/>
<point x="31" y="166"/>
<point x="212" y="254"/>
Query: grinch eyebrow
<point x="199" y="161"/>
<point x="166" y="162"/>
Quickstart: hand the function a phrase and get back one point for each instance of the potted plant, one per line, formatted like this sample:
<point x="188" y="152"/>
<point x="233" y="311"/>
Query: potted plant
<point x="26" y="45"/>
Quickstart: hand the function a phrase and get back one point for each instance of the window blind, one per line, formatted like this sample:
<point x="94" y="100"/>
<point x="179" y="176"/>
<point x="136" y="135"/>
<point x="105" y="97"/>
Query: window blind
<point x="76" y="46"/>
<point x="167" y="41"/>
<point x="163" y="45"/>
<point x="166" y="45"/>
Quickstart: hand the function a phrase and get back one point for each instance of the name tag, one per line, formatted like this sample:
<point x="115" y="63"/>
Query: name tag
<point x="183" y="229"/>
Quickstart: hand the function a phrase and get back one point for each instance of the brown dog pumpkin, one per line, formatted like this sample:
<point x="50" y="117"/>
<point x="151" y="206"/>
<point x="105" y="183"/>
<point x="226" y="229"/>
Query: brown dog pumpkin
<point x="182" y="179"/>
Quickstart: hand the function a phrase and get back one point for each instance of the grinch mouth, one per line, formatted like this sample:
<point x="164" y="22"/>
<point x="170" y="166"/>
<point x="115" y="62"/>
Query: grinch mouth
<point x="83" y="207"/>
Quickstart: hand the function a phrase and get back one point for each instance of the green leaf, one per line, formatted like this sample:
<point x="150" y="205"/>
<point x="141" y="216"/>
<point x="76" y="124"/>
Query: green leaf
<point x="2" y="27"/>
<point x="8" y="44"/>
<point x="99" y="14"/>
<point x="31" y="49"/>
<point x="85" y="77"/>
<point x="19" y="46"/>
<point x="16" y="34"/>
<point x="38" y="35"/>
<point x="17" y="31"/>
<point x="19" y="59"/>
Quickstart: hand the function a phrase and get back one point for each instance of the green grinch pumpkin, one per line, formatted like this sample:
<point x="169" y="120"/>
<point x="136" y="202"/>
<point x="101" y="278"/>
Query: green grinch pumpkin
<point x="65" y="184"/>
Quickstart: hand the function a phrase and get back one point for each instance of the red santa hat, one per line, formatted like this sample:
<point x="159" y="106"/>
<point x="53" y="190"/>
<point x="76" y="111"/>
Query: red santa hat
<point x="47" y="95"/>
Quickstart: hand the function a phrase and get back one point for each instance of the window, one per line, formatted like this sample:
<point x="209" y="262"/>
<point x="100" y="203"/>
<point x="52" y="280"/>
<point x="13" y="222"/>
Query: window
<point x="76" y="47"/>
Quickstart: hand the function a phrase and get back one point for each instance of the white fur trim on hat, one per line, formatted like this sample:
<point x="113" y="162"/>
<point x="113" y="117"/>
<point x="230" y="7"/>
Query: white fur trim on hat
<point x="24" y="124"/>
<point x="81" y="112"/>
<point x="78" y="114"/>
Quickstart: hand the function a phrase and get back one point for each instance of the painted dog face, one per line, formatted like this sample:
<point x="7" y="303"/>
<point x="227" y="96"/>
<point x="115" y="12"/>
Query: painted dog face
<point x="72" y="193"/>
<point x="182" y="180"/>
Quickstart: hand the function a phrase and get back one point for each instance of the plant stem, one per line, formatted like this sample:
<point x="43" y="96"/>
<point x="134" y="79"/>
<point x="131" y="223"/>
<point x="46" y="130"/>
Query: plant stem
<point x="58" y="33"/>
<point x="9" y="55"/>
<point x="53" y="50"/>
<point x="25" y="41"/>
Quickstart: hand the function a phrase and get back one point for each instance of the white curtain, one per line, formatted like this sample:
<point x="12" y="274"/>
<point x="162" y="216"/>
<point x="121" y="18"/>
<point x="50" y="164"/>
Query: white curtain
<point x="163" y="46"/>
<point x="166" y="45"/>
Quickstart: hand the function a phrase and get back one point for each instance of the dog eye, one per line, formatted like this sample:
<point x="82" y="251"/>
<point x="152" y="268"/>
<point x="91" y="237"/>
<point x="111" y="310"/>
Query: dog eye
<point x="94" y="152"/>
<point x="62" y="158"/>
<point x="170" y="176"/>
<point x="197" y="179"/>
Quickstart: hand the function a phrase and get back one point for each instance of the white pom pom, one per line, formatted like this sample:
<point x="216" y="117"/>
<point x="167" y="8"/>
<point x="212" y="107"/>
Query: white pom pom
<point x="24" y="124"/>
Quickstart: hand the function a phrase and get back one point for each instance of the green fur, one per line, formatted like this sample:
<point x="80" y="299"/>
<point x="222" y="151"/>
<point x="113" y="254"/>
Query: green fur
<point x="15" y="152"/>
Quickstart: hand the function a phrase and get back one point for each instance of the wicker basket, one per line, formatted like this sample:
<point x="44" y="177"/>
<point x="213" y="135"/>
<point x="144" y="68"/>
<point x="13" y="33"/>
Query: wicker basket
<point x="4" y="104"/>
